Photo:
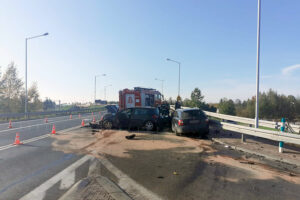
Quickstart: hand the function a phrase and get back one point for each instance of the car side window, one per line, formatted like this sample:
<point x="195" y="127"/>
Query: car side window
<point x="140" y="111"/>
<point x="126" y="112"/>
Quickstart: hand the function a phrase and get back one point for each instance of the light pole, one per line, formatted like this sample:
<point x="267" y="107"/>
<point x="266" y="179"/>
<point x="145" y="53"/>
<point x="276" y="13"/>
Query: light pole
<point x="26" y="93"/>
<point x="96" y="86"/>
<point x="168" y="59"/>
<point x="105" y="90"/>
<point x="162" y="85"/>
<point x="257" y="67"/>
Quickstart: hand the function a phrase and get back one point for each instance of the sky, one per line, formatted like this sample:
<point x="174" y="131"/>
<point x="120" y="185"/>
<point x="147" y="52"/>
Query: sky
<point x="129" y="40"/>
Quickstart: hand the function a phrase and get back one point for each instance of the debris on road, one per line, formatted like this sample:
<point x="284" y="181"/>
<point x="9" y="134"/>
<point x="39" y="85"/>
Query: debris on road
<point x="129" y="137"/>
<point x="175" y="173"/>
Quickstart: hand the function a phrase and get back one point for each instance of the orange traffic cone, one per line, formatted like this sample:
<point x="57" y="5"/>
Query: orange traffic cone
<point x="46" y="120"/>
<point x="53" y="129"/>
<point x="82" y="123"/>
<point x="9" y="126"/>
<point x="94" y="120"/>
<point x="17" y="140"/>
<point x="70" y="116"/>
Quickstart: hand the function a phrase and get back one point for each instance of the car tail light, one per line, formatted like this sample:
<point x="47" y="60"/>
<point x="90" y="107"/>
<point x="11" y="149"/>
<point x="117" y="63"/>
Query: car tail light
<point x="154" y="116"/>
<point x="180" y="122"/>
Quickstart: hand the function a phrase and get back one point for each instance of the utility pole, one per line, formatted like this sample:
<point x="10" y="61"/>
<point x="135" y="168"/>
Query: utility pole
<point x="257" y="67"/>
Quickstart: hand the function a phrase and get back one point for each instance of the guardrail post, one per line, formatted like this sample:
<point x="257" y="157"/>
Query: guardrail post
<point x="243" y="139"/>
<point x="282" y="131"/>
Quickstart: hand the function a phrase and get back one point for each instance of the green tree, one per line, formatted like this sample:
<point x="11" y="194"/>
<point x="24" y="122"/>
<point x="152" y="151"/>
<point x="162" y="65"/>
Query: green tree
<point x="11" y="89"/>
<point x="48" y="104"/>
<point x="196" y="98"/>
<point x="34" y="102"/>
<point x="227" y="107"/>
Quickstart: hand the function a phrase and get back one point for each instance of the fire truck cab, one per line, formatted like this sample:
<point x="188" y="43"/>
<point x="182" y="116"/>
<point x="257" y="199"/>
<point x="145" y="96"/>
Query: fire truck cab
<point x="139" y="97"/>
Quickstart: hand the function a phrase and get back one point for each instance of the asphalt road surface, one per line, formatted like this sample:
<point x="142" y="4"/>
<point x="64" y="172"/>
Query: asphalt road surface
<point x="171" y="167"/>
<point x="24" y="167"/>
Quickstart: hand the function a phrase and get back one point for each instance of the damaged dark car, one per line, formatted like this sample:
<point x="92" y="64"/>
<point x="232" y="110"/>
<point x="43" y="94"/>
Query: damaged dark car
<point x="146" y="118"/>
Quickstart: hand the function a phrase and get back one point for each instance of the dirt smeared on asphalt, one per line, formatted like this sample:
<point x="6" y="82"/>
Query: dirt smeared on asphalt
<point x="185" y="168"/>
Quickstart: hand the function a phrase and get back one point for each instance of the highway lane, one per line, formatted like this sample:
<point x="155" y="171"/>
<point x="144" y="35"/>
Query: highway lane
<point x="18" y="124"/>
<point x="7" y="136"/>
<point x="24" y="167"/>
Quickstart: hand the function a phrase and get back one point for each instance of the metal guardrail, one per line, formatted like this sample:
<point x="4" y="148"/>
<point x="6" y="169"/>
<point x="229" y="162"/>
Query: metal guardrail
<point x="249" y="121"/>
<point x="30" y="115"/>
<point x="268" y="134"/>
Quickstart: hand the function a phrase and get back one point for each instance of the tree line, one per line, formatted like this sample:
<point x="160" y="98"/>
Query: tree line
<point x="196" y="100"/>
<point x="12" y="94"/>
<point x="272" y="106"/>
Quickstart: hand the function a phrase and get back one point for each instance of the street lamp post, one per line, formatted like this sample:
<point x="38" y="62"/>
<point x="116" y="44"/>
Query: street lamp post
<point x="168" y="59"/>
<point x="95" y="92"/>
<point x="162" y="85"/>
<point x="26" y="92"/>
<point x="105" y="90"/>
<point x="257" y="67"/>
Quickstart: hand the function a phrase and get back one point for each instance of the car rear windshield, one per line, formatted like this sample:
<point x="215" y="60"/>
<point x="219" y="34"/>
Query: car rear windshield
<point x="193" y="114"/>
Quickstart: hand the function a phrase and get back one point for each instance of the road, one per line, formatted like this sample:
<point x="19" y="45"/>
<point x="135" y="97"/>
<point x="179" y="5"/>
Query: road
<point x="26" y="166"/>
<point x="165" y="166"/>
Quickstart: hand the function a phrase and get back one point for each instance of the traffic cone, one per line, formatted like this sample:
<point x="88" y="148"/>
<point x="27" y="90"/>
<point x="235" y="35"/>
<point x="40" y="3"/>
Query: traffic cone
<point x="82" y="123"/>
<point x="53" y="129"/>
<point x="46" y="120"/>
<point x="17" y="140"/>
<point x="9" y="126"/>
<point x="70" y="116"/>
<point x="94" y="120"/>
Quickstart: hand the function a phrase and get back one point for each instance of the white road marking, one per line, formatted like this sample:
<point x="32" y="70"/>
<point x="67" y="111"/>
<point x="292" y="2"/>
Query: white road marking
<point x="135" y="190"/>
<point x="39" y="192"/>
<point x="36" y="138"/>
<point x="67" y="181"/>
<point x="43" y="124"/>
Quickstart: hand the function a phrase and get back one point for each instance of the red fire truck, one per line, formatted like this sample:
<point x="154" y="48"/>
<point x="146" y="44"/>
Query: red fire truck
<point x="139" y="97"/>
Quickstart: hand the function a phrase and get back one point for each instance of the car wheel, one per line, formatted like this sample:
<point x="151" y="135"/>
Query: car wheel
<point x="176" y="132"/>
<point x="107" y="124"/>
<point x="149" y="126"/>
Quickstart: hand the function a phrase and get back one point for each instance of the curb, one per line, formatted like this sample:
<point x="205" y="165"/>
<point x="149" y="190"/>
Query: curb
<point x="274" y="158"/>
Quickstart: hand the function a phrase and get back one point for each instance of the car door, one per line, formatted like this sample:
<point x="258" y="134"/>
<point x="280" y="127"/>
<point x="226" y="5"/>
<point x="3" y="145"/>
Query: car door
<point x="123" y="118"/>
<point x="137" y="119"/>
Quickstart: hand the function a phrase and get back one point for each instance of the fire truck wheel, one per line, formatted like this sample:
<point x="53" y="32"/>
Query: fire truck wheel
<point x="149" y="126"/>
<point x="107" y="124"/>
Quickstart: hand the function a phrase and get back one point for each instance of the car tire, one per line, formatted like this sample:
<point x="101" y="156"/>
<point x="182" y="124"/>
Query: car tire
<point x="149" y="126"/>
<point x="176" y="132"/>
<point x="107" y="124"/>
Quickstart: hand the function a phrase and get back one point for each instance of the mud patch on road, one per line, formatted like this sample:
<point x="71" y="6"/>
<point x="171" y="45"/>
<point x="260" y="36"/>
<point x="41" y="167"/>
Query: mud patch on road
<point x="256" y="170"/>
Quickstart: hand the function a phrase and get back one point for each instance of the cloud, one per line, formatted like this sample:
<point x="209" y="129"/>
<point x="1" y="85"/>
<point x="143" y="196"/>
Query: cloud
<point x="288" y="70"/>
